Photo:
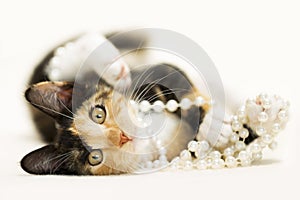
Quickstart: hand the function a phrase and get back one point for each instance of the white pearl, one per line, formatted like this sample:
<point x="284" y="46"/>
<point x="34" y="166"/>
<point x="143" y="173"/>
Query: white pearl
<point x="149" y="165"/>
<point x="199" y="101"/>
<point x="241" y="113"/>
<point x="236" y="126"/>
<point x="185" y="155"/>
<point x="192" y="146"/>
<point x="164" y="163"/>
<point x="273" y="145"/>
<point x="172" y="105"/>
<point x="203" y="145"/>
<point x="215" y="154"/>
<point x="243" y="155"/>
<point x="234" y="137"/>
<point x="145" y="106"/>
<point x="240" y="145"/>
<point x="217" y="163"/>
<point x="158" y="143"/>
<point x="257" y="156"/>
<point x="267" y="138"/>
<point x="199" y="153"/>
<point x="133" y="104"/>
<point x="246" y="163"/>
<point x="244" y="133"/>
<point x="228" y="152"/>
<point x="255" y="148"/>
<point x="201" y="164"/>
<point x="230" y="162"/>
<point x="163" y="158"/>
<point x="266" y="103"/>
<point x="235" y="118"/>
<point x="162" y="151"/>
<point x="54" y="74"/>
<point x="276" y="128"/>
<point x="175" y="163"/>
<point x="188" y="165"/>
<point x="263" y="117"/>
<point x="55" y="62"/>
<point x="260" y="131"/>
<point x="185" y="103"/>
<point x="156" y="164"/>
<point x="209" y="161"/>
<point x="158" y="106"/>
<point x="60" y="51"/>
<point x="282" y="115"/>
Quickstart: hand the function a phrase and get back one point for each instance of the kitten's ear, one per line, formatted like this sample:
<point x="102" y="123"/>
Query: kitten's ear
<point x="46" y="160"/>
<point x="53" y="98"/>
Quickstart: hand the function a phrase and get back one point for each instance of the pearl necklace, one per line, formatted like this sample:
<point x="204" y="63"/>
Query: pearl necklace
<point x="172" y="105"/>
<point x="265" y="115"/>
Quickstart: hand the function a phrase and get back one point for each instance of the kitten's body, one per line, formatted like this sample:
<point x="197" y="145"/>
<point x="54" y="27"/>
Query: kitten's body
<point x="77" y="135"/>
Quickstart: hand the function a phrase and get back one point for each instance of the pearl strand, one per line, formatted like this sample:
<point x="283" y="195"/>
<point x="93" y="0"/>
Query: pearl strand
<point x="158" y="106"/>
<point x="237" y="153"/>
<point x="172" y="105"/>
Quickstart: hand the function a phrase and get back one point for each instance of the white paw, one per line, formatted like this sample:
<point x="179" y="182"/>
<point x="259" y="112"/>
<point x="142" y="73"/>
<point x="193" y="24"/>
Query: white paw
<point x="118" y="74"/>
<point x="90" y="52"/>
<point x="269" y="112"/>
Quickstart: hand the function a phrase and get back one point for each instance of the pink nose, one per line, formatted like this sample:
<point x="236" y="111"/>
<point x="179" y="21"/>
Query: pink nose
<point x="124" y="139"/>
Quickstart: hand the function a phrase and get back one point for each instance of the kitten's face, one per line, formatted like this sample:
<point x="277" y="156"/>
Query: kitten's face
<point x="97" y="122"/>
<point x="90" y="140"/>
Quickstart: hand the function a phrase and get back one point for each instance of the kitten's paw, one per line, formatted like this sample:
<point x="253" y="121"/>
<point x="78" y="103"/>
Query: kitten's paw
<point x="118" y="75"/>
<point x="261" y="119"/>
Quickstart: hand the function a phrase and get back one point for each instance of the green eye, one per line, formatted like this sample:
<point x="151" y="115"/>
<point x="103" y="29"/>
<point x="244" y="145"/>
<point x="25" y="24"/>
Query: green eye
<point x="95" y="157"/>
<point x="98" y="114"/>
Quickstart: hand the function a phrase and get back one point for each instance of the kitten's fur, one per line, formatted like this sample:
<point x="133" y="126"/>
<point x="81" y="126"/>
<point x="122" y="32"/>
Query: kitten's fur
<point x="75" y="135"/>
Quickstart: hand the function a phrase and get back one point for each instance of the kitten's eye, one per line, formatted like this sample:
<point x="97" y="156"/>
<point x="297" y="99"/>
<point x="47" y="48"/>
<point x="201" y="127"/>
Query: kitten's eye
<point x="98" y="114"/>
<point x="95" y="157"/>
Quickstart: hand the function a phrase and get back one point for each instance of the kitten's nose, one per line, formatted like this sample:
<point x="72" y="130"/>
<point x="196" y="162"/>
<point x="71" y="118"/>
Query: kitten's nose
<point x="124" y="139"/>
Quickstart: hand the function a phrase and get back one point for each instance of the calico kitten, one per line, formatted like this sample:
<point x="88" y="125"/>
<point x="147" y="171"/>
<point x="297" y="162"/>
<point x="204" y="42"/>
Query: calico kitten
<point x="92" y="128"/>
<point x="89" y="139"/>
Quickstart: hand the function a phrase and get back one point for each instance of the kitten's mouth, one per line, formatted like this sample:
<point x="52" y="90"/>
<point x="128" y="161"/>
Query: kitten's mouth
<point x="124" y="139"/>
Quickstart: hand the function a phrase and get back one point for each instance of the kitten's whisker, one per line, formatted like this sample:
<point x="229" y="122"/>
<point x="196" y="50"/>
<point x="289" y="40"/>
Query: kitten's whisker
<point x="62" y="161"/>
<point x="137" y="97"/>
<point x="136" y="84"/>
<point x="157" y="81"/>
<point x="56" y="157"/>
<point x="143" y="92"/>
<point x="162" y="93"/>
<point x="60" y="157"/>
<point x="52" y="110"/>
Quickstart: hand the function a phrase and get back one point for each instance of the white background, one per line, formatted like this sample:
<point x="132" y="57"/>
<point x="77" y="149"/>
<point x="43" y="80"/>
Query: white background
<point x="254" y="44"/>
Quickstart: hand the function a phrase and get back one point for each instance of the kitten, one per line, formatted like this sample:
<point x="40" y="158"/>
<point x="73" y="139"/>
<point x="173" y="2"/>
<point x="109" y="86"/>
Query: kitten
<point x="89" y="139"/>
<point x="92" y="128"/>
